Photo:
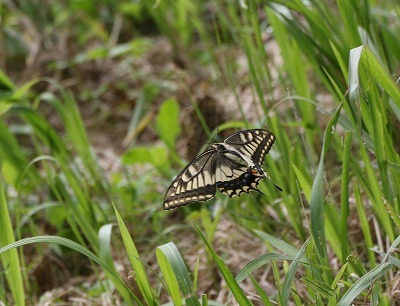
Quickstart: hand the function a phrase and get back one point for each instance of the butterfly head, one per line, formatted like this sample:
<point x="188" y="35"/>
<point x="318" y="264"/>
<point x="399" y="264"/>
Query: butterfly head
<point x="256" y="171"/>
<point x="219" y="147"/>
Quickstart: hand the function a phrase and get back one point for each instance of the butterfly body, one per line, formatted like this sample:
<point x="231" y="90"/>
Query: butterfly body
<point x="233" y="166"/>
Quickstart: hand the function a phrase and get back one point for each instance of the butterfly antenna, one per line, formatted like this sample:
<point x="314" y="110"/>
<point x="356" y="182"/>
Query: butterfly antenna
<point x="201" y="144"/>
<point x="276" y="185"/>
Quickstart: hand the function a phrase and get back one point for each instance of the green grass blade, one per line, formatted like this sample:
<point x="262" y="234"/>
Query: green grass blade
<point x="305" y="186"/>
<point x="393" y="248"/>
<point x="226" y="273"/>
<point x="392" y="213"/>
<point x="259" y="262"/>
<point x="364" y="283"/>
<point x="264" y="297"/>
<point x="126" y="293"/>
<point x="350" y="23"/>
<point x="105" y="255"/>
<point x="170" y="276"/>
<point x="10" y="260"/>
<point x="344" y="197"/>
<point x="377" y="70"/>
<point x="332" y="228"/>
<point x="395" y="261"/>
<point x="339" y="275"/>
<point x="5" y="83"/>
<point x="280" y="245"/>
<point x="317" y="201"/>
<point x="176" y="274"/>
<point x="286" y="288"/>
<point x="12" y="159"/>
<point x="136" y="262"/>
<point x="294" y="65"/>
<point x="320" y="290"/>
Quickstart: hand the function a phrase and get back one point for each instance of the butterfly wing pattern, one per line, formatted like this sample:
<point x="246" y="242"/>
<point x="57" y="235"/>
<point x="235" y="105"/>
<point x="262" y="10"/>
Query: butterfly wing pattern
<point x="233" y="166"/>
<point x="195" y="183"/>
<point x="252" y="146"/>
<point x="253" y="143"/>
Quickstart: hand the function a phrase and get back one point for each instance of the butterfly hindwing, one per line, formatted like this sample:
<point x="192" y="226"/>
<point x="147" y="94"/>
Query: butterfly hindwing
<point x="245" y="182"/>
<point x="195" y="183"/>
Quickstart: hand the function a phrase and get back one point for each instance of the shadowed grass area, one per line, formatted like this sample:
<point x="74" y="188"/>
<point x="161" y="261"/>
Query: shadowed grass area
<point x="102" y="104"/>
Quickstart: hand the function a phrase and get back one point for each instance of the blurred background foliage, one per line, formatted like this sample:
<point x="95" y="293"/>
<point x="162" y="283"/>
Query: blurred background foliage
<point x="103" y="102"/>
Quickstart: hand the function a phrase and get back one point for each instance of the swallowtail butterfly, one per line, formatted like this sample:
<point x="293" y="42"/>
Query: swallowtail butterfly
<point x="233" y="166"/>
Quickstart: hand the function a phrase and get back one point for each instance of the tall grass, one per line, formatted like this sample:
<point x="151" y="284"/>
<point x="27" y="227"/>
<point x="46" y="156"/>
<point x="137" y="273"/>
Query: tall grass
<point x="324" y="76"/>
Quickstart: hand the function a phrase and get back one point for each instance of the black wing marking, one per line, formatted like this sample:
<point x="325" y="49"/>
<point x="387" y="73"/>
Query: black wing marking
<point x="253" y="143"/>
<point x="195" y="183"/>
<point x="245" y="182"/>
<point x="233" y="178"/>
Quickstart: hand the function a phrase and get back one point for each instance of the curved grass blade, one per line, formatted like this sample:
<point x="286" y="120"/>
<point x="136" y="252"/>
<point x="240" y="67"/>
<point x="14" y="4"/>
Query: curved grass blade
<point x="284" y="295"/>
<point x="393" y="248"/>
<point x="369" y="279"/>
<point x="259" y="262"/>
<point x="105" y="243"/>
<point x="176" y="274"/>
<point x="170" y="276"/>
<point x="10" y="260"/>
<point x="226" y="273"/>
<point x="281" y="245"/>
<point x="364" y="283"/>
<point x="122" y="288"/>
<point x="136" y="261"/>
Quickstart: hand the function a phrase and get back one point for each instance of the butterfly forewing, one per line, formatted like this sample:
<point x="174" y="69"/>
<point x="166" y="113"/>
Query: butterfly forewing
<point x="195" y="183"/>
<point x="253" y="143"/>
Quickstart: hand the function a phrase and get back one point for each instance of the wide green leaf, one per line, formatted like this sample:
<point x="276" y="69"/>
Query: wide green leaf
<point x="167" y="122"/>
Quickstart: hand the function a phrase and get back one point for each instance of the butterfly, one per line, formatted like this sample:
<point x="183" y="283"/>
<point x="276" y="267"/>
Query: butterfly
<point x="233" y="166"/>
